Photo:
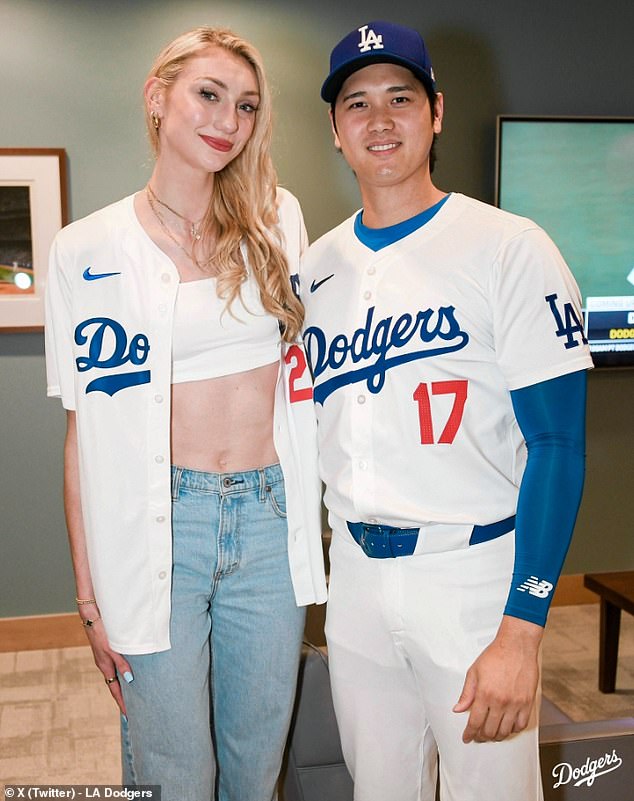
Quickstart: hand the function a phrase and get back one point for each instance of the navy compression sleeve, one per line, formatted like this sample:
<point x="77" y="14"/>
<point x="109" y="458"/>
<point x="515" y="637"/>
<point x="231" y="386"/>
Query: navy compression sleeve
<point x="551" y="417"/>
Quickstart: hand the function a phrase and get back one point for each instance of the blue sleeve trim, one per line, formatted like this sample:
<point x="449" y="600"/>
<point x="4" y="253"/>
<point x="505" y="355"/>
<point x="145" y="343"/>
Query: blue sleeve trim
<point x="551" y="417"/>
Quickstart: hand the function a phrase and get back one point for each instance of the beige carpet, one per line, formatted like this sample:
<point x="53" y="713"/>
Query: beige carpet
<point x="59" y="725"/>
<point x="570" y="665"/>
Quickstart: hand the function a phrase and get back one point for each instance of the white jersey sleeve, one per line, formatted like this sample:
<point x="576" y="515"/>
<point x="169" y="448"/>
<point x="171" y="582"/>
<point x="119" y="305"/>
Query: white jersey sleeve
<point x="59" y="331"/>
<point x="293" y="228"/>
<point x="536" y="310"/>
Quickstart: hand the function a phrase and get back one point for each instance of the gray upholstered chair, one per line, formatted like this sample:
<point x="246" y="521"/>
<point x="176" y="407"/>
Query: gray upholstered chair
<point x="315" y="770"/>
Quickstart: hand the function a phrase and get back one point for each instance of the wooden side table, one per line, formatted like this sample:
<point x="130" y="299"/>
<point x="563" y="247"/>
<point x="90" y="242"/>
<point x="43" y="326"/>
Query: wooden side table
<point x="616" y="591"/>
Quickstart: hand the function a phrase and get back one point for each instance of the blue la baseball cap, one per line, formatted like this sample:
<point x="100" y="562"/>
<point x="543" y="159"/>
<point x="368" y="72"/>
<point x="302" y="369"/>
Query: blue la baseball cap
<point x="375" y="43"/>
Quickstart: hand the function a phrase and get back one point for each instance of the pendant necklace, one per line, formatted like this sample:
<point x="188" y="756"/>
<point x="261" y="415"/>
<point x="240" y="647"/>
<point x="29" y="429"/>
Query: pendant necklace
<point x="151" y="197"/>
<point x="194" y="227"/>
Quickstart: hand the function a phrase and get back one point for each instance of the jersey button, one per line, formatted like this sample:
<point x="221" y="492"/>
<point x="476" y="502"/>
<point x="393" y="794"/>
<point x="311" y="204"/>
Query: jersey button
<point x="160" y="518"/>
<point x="159" y="459"/>
<point x="166" y="278"/>
<point x="158" y="399"/>
<point x="162" y="308"/>
<point x="162" y="574"/>
<point x="363" y="465"/>
<point x="367" y="295"/>
<point x="371" y="270"/>
<point x="361" y="399"/>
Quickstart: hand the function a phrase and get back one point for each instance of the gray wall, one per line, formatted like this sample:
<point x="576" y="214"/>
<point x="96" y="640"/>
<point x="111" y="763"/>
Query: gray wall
<point x="72" y="74"/>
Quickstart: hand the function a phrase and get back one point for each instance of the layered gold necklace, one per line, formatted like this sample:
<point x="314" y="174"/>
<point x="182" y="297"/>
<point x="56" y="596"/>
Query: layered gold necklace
<point x="194" y="227"/>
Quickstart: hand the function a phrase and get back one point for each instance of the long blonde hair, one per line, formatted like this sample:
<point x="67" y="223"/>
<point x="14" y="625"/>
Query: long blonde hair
<point x="242" y="207"/>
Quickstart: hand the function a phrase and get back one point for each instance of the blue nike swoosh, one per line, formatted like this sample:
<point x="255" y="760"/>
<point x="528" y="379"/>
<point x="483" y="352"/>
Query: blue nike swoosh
<point x="88" y="276"/>
<point x="316" y="284"/>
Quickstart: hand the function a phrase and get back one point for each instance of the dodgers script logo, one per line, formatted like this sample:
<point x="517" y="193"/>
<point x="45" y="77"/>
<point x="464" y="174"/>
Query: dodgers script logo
<point x="109" y="348"/>
<point x="564" y="772"/>
<point x="438" y="330"/>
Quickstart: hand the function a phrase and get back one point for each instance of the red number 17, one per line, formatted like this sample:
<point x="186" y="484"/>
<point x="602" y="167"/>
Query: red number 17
<point x="421" y="396"/>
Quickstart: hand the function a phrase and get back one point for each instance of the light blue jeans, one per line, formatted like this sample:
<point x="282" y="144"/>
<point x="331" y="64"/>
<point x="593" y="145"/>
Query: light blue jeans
<point x="208" y="719"/>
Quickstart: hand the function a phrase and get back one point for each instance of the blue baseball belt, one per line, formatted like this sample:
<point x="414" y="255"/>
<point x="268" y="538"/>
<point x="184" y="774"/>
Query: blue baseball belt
<point x="385" y="542"/>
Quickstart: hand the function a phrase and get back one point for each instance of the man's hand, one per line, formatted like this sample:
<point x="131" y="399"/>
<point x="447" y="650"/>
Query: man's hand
<point x="500" y="686"/>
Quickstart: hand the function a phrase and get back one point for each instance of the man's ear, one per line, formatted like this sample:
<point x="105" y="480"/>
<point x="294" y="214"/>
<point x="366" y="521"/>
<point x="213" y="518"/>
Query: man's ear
<point x="333" y="125"/>
<point x="439" y="108"/>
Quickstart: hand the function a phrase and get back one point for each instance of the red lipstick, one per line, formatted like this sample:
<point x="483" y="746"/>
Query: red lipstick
<point x="223" y="145"/>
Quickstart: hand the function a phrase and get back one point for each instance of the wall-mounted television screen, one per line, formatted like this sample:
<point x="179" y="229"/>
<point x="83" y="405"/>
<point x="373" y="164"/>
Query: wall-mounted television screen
<point x="574" y="176"/>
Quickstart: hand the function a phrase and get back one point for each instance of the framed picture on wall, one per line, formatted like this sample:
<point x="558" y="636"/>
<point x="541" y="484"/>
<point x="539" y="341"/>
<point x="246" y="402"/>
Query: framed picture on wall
<point x="33" y="207"/>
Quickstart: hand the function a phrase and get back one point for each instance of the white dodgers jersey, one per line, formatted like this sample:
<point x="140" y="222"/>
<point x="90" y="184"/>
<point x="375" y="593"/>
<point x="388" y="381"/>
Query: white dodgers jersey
<point x="414" y="349"/>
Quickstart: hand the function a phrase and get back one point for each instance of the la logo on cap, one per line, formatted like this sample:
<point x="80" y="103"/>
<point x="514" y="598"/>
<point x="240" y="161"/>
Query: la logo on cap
<point x="369" y="40"/>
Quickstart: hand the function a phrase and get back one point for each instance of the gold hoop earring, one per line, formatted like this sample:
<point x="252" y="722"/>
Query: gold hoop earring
<point x="156" y="120"/>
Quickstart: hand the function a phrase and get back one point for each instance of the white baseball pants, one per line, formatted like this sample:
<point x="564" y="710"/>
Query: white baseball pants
<point x="401" y="635"/>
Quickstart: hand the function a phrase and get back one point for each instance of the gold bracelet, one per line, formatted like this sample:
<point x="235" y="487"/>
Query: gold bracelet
<point x="80" y="601"/>
<point x="89" y="622"/>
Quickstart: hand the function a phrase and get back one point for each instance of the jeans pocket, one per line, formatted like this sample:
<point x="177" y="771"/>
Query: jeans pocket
<point x="277" y="498"/>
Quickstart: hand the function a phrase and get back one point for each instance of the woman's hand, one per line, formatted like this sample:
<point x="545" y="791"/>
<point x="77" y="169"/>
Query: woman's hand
<point x="112" y="664"/>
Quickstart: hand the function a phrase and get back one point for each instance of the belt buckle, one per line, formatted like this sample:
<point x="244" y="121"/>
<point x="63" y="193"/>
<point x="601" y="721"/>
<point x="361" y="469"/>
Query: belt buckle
<point x="377" y="543"/>
<point x="373" y="538"/>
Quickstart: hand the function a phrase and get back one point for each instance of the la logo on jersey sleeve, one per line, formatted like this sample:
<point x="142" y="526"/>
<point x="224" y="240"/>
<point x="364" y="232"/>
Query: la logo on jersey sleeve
<point x="568" y="322"/>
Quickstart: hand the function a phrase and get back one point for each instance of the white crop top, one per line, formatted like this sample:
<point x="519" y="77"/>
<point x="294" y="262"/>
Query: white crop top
<point x="210" y="340"/>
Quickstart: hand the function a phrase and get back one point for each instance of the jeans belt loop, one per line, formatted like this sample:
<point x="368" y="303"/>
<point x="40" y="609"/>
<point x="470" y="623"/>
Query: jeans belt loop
<point x="262" y="487"/>
<point x="177" y="474"/>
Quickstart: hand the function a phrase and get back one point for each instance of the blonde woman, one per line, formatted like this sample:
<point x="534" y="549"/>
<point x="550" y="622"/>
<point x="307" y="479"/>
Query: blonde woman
<point x="191" y="491"/>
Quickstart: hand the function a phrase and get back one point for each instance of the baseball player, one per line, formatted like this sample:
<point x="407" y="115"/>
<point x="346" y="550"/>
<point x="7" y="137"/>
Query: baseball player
<point x="449" y="360"/>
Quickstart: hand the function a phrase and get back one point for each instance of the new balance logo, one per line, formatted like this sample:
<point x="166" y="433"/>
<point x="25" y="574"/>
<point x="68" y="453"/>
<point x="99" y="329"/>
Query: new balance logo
<point x="88" y="276"/>
<point x="540" y="589"/>
<point x="369" y="40"/>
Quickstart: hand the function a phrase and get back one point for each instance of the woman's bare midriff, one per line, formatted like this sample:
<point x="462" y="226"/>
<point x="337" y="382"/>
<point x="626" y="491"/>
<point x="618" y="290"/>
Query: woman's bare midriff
<point x="225" y="424"/>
